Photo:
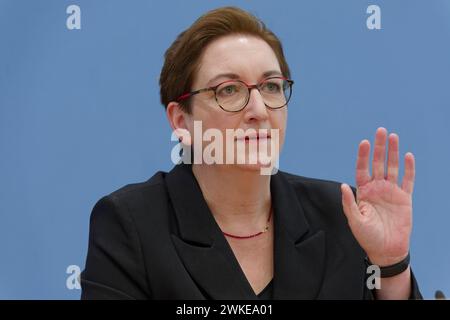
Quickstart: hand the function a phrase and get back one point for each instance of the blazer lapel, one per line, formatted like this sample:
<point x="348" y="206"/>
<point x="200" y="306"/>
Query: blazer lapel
<point x="201" y="246"/>
<point x="299" y="254"/>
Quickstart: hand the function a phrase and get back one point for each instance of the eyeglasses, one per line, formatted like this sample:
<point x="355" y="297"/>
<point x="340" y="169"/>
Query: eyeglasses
<point x="234" y="95"/>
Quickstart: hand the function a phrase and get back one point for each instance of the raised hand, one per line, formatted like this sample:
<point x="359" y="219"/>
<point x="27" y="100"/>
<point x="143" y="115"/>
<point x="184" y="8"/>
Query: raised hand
<point x="381" y="216"/>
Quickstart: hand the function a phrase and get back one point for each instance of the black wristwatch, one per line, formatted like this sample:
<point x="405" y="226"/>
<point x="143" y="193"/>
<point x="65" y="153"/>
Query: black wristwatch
<point x="392" y="270"/>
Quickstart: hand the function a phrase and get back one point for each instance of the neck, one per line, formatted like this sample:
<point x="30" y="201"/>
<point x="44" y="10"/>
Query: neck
<point x="235" y="196"/>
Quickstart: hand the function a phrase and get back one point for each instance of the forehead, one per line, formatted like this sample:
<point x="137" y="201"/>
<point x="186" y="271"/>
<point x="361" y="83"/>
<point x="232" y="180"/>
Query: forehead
<point x="244" y="55"/>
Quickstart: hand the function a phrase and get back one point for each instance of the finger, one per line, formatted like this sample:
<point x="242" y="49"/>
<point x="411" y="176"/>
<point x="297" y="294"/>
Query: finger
<point x="392" y="167"/>
<point x="349" y="204"/>
<point x="379" y="153"/>
<point x="362" y="163"/>
<point x="410" y="173"/>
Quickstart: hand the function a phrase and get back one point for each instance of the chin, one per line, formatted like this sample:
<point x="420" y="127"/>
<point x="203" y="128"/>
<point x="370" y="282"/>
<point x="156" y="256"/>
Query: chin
<point x="256" y="167"/>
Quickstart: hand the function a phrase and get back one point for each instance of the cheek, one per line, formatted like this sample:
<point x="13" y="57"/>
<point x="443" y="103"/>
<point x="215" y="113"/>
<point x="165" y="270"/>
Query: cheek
<point x="221" y="121"/>
<point x="279" y="121"/>
<point x="214" y="122"/>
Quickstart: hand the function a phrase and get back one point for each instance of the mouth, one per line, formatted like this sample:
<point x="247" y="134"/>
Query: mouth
<point x="252" y="138"/>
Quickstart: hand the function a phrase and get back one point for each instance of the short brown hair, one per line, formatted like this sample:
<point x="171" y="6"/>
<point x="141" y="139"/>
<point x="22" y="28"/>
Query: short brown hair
<point x="182" y="59"/>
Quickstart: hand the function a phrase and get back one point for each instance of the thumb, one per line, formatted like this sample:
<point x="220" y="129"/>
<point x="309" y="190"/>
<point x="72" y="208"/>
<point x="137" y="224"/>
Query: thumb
<point x="349" y="205"/>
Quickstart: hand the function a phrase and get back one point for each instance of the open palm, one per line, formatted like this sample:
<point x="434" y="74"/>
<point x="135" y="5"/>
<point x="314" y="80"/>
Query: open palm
<point x="381" y="216"/>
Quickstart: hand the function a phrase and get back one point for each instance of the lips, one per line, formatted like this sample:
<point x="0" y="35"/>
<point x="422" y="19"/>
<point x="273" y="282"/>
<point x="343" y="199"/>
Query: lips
<point x="256" y="137"/>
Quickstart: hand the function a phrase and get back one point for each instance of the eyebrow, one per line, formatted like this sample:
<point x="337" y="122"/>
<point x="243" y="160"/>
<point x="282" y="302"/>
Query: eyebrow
<point x="236" y="76"/>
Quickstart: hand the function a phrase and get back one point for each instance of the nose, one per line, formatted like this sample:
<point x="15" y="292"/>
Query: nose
<point x="256" y="109"/>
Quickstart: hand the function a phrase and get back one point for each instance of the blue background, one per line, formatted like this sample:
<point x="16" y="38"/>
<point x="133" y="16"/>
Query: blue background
<point x="80" y="115"/>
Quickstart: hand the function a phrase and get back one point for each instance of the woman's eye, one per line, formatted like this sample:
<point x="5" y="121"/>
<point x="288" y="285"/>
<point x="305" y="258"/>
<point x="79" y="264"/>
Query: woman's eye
<point x="271" y="87"/>
<point x="228" y="90"/>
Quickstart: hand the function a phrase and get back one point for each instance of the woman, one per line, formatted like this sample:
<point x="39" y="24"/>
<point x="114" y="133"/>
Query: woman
<point x="225" y="231"/>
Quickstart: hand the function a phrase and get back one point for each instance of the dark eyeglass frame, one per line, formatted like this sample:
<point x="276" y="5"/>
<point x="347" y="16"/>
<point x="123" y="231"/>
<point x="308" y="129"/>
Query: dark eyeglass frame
<point x="249" y="87"/>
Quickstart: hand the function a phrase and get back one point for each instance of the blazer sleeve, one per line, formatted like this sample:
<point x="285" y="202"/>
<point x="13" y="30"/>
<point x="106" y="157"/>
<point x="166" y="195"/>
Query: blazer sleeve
<point x="414" y="295"/>
<point x="415" y="292"/>
<point x="114" y="264"/>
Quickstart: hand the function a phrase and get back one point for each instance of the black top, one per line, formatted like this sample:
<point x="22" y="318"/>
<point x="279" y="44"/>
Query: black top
<point x="266" y="293"/>
<point x="159" y="240"/>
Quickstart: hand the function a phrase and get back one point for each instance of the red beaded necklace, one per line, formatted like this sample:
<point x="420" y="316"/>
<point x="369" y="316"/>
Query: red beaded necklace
<point x="252" y="235"/>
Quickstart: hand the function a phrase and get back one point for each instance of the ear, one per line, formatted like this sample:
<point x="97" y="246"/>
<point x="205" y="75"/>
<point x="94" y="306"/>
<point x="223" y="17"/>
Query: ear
<point x="177" y="117"/>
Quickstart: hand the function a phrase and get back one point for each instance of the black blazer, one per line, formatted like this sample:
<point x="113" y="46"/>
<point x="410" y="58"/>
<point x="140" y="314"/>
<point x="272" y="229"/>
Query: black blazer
<point x="159" y="240"/>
